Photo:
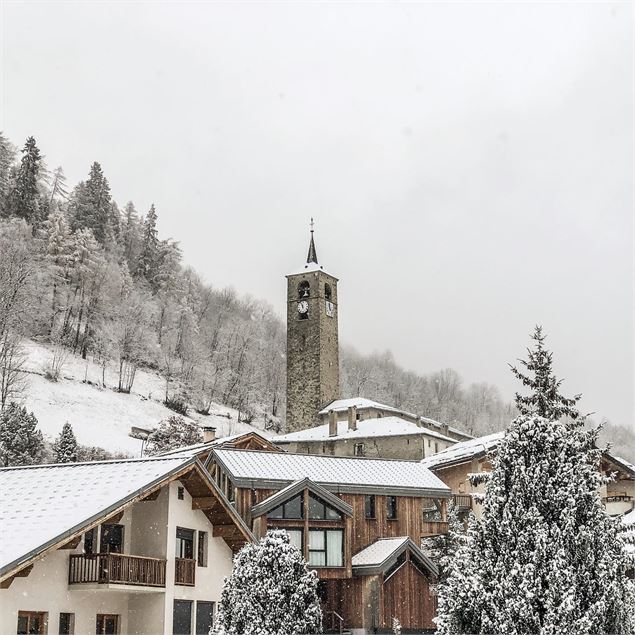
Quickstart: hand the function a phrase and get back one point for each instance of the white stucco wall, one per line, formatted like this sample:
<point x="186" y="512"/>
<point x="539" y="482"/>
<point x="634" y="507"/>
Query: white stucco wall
<point x="150" y="530"/>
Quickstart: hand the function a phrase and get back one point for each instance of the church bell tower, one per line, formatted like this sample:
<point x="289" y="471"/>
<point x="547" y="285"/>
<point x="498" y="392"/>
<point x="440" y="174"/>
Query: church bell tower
<point x="313" y="374"/>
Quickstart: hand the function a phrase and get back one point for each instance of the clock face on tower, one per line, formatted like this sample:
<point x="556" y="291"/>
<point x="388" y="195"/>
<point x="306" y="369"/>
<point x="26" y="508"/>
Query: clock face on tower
<point x="303" y="307"/>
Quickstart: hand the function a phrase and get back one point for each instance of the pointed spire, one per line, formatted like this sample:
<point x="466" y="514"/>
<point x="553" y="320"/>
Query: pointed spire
<point x="312" y="257"/>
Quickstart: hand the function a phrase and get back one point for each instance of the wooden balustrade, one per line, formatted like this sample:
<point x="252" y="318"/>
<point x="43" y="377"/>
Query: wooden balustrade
<point x="434" y="528"/>
<point x="184" y="571"/>
<point x="116" y="568"/>
<point x="462" y="501"/>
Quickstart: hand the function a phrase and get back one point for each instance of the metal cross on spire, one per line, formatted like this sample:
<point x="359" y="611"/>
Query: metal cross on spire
<point x="312" y="257"/>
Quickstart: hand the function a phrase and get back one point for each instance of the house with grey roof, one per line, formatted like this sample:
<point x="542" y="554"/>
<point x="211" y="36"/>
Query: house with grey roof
<point x="135" y="546"/>
<point x="358" y="522"/>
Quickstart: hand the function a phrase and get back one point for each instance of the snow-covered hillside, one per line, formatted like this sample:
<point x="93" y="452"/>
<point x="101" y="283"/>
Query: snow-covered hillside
<point x="102" y="416"/>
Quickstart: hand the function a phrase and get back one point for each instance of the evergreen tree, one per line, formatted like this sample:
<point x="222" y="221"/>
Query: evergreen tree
<point x="7" y="156"/>
<point x="270" y="591"/>
<point x="24" y="197"/>
<point x="174" y="432"/>
<point x="441" y="549"/>
<point x="58" y="185"/>
<point x="131" y="229"/>
<point x="545" y="399"/>
<point x="545" y="557"/>
<point x="65" y="447"/>
<point x="21" y="443"/>
<point x="90" y="205"/>
<point x="149" y="247"/>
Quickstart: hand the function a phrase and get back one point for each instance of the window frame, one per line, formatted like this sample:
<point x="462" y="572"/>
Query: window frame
<point x="71" y="623"/>
<point x="28" y="615"/>
<point x="202" y="542"/>
<point x="391" y="508"/>
<point x="370" y="510"/>
<point x="183" y="541"/>
<point x="359" y="449"/>
<point x="325" y="532"/>
<point x="104" y="616"/>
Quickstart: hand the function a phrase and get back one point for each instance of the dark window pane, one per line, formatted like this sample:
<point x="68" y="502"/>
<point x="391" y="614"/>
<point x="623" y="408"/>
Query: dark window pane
<point x="89" y="541"/>
<point x="202" y="548"/>
<point x="184" y="543"/>
<point x="316" y="507"/>
<point x="182" y="617"/>
<point x="369" y="506"/>
<point x="391" y="507"/>
<point x="111" y="539"/>
<point x="293" y="508"/>
<point x="23" y="625"/>
<point x="204" y="617"/>
<point x="66" y="623"/>
<point x="275" y="513"/>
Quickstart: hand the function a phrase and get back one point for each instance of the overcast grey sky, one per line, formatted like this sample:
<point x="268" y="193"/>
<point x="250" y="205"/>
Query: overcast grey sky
<point x="469" y="165"/>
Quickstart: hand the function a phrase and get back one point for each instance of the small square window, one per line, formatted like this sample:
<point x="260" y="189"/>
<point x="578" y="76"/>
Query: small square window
<point x="180" y="492"/>
<point x="359" y="450"/>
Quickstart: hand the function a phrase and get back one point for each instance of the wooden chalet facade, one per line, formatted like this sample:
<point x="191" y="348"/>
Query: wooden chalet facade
<point x="358" y="522"/>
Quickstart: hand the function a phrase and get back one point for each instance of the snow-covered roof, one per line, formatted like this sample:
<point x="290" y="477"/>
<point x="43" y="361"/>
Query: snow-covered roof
<point x="340" y="405"/>
<point x="41" y="505"/>
<point x="247" y="468"/>
<point x="384" y="552"/>
<point x="197" y="448"/>
<point x="380" y="427"/>
<point x="310" y="267"/>
<point x="625" y="465"/>
<point x="464" y="451"/>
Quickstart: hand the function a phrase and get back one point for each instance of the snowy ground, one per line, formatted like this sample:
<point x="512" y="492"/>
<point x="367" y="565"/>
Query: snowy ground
<point x="102" y="416"/>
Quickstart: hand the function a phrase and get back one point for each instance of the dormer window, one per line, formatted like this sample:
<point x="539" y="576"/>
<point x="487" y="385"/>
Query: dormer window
<point x="318" y="510"/>
<point x="293" y="509"/>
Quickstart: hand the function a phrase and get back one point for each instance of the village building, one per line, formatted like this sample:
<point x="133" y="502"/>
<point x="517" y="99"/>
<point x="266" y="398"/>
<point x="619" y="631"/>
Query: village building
<point x="455" y="464"/>
<point x="358" y="521"/>
<point x="135" y="547"/>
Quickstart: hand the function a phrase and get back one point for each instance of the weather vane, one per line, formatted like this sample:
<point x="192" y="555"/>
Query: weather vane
<point x="312" y="224"/>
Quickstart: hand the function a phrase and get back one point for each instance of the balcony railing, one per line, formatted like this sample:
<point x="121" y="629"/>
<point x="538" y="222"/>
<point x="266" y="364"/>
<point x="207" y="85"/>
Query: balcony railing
<point x="184" y="571"/>
<point x="116" y="568"/>
<point x="433" y="528"/>
<point x="462" y="501"/>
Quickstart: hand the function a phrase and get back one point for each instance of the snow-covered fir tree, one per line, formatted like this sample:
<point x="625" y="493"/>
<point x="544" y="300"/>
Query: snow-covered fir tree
<point x="65" y="446"/>
<point x="271" y="591"/>
<point x="24" y="196"/>
<point x="174" y="432"/>
<point x="441" y="549"/>
<point x="544" y="398"/>
<point x="545" y="558"/>
<point x="21" y="443"/>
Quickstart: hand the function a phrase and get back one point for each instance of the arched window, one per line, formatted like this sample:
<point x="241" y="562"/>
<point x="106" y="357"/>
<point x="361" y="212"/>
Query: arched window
<point x="328" y="294"/>
<point x="303" y="289"/>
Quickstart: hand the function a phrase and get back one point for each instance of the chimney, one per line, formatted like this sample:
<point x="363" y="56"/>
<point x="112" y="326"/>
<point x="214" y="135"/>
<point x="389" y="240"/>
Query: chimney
<point x="332" y="423"/>
<point x="209" y="434"/>
<point x="352" y="418"/>
<point x="445" y="428"/>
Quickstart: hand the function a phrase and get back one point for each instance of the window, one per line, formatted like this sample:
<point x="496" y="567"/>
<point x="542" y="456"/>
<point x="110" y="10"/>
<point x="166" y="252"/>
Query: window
<point x="182" y="617"/>
<point x="318" y="510"/>
<point x="202" y="548"/>
<point x="303" y="289"/>
<point x="67" y="623"/>
<point x="296" y="538"/>
<point x="323" y="590"/>
<point x="401" y="560"/>
<point x="328" y="293"/>
<point x="184" y="543"/>
<point x="291" y="509"/>
<point x="369" y="506"/>
<point x="326" y="547"/>
<point x="111" y="539"/>
<point x="107" y="625"/>
<point x="204" y="617"/>
<point x="32" y="623"/>
<point x="436" y="447"/>
<point x="391" y="507"/>
<point x="231" y="492"/>
<point x="358" y="450"/>
<point x="180" y="493"/>
<point x="90" y="538"/>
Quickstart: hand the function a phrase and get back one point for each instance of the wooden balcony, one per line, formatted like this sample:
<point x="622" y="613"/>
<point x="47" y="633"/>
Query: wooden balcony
<point x="116" y="568"/>
<point x="431" y="528"/>
<point x="184" y="571"/>
<point x="462" y="501"/>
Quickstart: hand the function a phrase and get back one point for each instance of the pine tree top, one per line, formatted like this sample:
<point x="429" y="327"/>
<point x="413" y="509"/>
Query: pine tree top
<point x="544" y="399"/>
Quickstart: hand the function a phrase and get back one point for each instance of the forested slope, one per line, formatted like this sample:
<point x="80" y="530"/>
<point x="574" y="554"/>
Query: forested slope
<point x="90" y="279"/>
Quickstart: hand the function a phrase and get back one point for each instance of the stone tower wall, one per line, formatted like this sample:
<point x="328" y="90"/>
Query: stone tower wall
<point x="312" y="351"/>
